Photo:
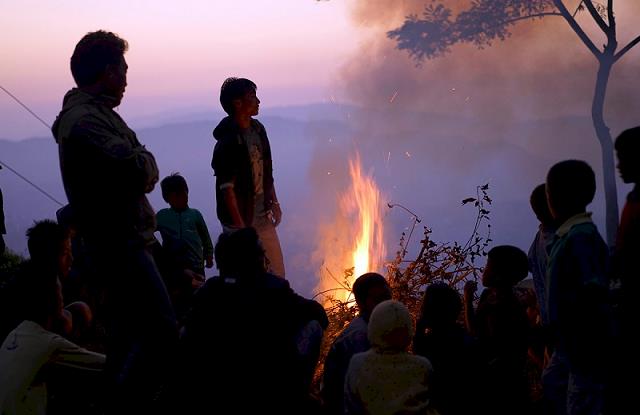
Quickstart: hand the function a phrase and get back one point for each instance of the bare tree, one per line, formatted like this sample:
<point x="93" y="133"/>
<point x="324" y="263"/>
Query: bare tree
<point x="432" y="35"/>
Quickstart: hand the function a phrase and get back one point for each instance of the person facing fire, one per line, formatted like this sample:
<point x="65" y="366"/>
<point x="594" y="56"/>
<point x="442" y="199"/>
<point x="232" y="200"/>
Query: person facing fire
<point x="501" y="327"/>
<point x="242" y="163"/>
<point x="577" y="294"/>
<point x="369" y="290"/>
<point x="241" y="339"/>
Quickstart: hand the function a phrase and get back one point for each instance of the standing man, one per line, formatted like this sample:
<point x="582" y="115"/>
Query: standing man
<point x="106" y="173"/>
<point x="245" y="193"/>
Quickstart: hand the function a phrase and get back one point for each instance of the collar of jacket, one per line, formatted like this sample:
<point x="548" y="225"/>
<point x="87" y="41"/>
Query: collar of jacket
<point x="578" y="219"/>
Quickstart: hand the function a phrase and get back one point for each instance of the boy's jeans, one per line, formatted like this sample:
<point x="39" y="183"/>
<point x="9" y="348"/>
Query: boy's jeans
<point x="571" y="393"/>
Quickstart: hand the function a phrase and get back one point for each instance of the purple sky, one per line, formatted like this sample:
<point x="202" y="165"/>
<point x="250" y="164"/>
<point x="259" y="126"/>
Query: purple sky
<point x="180" y="52"/>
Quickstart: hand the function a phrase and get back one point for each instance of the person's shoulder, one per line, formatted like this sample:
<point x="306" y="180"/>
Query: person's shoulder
<point x="163" y="214"/>
<point x="356" y="329"/>
<point x="358" y="359"/>
<point x="257" y="125"/>
<point x="585" y="234"/>
<point x="195" y="212"/>
<point x="420" y="361"/>
<point x="225" y="131"/>
<point x="276" y="283"/>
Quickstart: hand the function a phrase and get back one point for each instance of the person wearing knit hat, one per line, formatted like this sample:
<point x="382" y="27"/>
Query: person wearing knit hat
<point x="387" y="379"/>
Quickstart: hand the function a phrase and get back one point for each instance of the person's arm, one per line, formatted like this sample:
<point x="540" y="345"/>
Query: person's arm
<point x="232" y="206"/>
<point x="69" y="355"/>
<point x="135" y="165"/>
<point x="276" y="210"/>
<point x="207" y="245"/>
<point x="225" y="168"/>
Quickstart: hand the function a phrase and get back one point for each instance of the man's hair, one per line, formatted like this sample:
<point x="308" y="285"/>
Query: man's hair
<point x="539" y="204"/>
<point x="232" y="89"/>
<point x="509" y="264"/>
<point x="441" y="304"/>
<point x="44" y="240"/>
<point x="37" y="290"/>
<point x="173" y="184"/>
<point x="240" y="254"/>
<point x="365" y="283"/>
<point x="628" y="142"/>
<point x="571" y="185"/>
<point x="93" y="53"/>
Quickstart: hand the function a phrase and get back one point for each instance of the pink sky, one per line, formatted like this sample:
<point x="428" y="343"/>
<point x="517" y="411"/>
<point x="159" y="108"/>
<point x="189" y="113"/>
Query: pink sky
<point x="180" y="52"/>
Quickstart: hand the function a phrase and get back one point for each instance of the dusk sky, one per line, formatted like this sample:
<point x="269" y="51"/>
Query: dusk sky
<point x="180" y="52"/>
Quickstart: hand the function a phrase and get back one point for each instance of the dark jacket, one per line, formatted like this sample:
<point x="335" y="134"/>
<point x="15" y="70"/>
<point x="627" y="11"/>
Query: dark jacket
<point x="105" y="170"/>
<point x="231" y="164"/>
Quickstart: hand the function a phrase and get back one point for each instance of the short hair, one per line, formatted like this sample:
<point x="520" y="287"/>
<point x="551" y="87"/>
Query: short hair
<point x="240" y="253"/>
<point x="539" y="204"/>
<point x="509" y="264"/>
<point x="441" y="304"/>
<point x="364" y="283"/>
<point x="93" y="53"/>
<point x="173" y="184"/>
<point x="44" y="240"/>
<point x="629" y="142"/>
<point x="571" y="184"/>
<point x="232" y="89"/>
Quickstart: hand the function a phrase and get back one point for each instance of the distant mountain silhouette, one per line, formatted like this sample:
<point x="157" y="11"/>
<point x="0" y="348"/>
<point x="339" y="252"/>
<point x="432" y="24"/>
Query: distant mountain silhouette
<point x="428" y="162"/>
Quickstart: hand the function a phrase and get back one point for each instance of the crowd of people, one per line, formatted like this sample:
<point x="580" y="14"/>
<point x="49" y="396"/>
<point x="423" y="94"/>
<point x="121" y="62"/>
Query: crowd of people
<point x="103" y="318"/>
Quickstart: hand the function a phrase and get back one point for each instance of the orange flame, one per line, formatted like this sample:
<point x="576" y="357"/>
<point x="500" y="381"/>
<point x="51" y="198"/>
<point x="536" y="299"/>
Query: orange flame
<point x="355" y="239"/>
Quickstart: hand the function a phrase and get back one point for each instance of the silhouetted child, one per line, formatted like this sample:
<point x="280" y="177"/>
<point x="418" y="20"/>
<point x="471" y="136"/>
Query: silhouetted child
<point x="387" y="379"/>
<point x="49" y="246"/>
<point x="450" y="349"/>
<point x="626" y="270"/>
<point x="577" y="294"/>
<point x="501" y="327"/>
<point x="185" y="241"/>
<point x="369" y="290"/>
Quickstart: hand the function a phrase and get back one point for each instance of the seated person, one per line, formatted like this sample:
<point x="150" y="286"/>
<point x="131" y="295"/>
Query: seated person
<point x="32" y="350"/>
<point x="369" y="290"/>
<point x="49" y="246"/>
<point x="241" y="340"/>
<point x="387" y="379"/>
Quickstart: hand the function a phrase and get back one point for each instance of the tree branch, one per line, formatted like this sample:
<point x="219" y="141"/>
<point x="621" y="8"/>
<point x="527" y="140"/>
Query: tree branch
<point x="529" y="16"/>
<point x="611" y="17"/>
<point x="596" y="16"/>
<point x="626" y="49"/>
<point x="577" y="29"/>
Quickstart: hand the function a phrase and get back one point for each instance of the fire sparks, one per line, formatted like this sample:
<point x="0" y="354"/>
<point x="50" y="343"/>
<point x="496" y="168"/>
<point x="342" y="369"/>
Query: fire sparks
<point x="355" y="238"/>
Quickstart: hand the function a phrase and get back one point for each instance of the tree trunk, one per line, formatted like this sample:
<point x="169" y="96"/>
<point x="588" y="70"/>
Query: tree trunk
<point x="606" y="62"/>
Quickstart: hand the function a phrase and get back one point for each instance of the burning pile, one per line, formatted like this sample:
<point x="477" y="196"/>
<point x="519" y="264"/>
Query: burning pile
<point x="354" y="243"/>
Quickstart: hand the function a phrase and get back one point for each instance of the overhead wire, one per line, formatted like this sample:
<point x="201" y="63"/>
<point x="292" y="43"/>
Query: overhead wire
<point x="14" y="171"/>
